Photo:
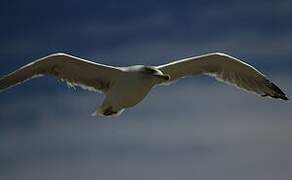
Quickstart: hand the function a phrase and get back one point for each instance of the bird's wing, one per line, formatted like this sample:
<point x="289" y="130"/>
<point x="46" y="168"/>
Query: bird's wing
<point x="224" y="68"/>
<point x="75" y="71"/>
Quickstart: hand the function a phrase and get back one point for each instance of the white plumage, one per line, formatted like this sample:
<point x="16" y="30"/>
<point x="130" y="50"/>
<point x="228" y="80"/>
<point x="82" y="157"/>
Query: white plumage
<point x="124" y="87"/>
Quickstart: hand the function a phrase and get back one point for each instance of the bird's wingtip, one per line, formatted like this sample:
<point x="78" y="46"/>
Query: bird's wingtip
<point x="278" y="93"/>
<point x="281" y="96"/>
<point x="285" y="98"/>
<point x="2" y="89"/>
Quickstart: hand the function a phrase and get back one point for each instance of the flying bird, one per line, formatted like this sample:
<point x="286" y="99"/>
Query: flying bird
<point x="124" y="87"/>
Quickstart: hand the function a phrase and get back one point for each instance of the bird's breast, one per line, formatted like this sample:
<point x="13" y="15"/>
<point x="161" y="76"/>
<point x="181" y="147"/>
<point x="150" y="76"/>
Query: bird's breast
<point x="127" y="92"/>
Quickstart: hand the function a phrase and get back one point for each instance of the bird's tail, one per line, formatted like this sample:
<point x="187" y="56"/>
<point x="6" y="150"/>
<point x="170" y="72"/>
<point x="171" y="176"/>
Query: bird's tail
<point x="107" y="112"/>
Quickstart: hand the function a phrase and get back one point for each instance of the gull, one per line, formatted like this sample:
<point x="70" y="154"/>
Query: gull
<point x="124" y="87"/>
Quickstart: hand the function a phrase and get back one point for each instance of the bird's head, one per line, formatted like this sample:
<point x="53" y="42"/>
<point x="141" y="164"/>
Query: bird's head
<point x="154" y="72"/>
<point x="149" y="71"/>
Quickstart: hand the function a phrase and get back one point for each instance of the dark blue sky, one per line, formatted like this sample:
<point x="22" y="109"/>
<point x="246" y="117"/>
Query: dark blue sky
<point x="97" y="29"/>
<point x="211" y="131"/>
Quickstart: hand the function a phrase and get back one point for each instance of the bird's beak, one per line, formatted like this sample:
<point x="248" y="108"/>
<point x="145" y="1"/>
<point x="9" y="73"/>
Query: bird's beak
<point x="163" y="76"/>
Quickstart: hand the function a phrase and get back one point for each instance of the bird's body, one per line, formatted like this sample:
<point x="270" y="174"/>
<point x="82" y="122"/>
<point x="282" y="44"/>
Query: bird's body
<point x="125" y="87"/>
<point x="128" y="90"/>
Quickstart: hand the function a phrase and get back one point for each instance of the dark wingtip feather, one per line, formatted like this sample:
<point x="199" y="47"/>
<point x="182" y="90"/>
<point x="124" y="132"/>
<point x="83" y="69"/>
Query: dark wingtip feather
<point x="279" y="94"/>
<point x="285" y="98"/>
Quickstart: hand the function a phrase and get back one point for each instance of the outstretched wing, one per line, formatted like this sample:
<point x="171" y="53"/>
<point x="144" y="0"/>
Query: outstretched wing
<point x="227" y="69"/>
<point x="75" y="71"/>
